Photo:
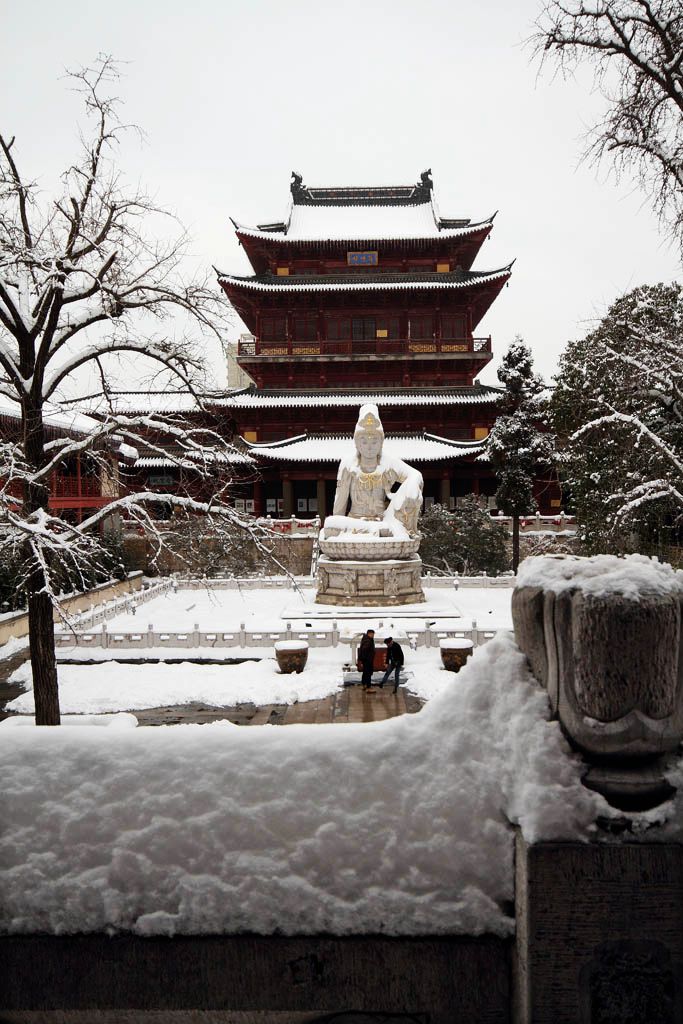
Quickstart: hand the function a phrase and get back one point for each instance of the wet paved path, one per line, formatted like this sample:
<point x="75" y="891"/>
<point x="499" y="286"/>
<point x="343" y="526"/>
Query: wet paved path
<point x="351" y="704"/>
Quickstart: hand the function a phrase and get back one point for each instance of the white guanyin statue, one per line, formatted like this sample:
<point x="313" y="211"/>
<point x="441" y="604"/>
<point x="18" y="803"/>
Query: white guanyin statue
<point x="365" y="481"/>
<point x="369" y="545"/>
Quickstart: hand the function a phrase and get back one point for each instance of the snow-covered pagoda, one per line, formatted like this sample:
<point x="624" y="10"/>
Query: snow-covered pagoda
<point x="364" y="295"/>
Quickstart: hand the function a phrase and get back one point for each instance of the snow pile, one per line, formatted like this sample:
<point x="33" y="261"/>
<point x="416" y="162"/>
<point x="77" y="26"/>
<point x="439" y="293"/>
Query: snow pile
<point x="112" y="686"/>
<point x="633" y="577"/>
<point x="395" y="827"/>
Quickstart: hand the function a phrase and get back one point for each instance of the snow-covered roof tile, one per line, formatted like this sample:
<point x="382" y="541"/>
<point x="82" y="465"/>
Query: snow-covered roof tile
<point x="335" y="447"/>
<point x="189" y="460"/>
<point x="163" y="402"/>
<point x="478" y="395"/>
<point x="330" y="223"/>
<point x="369" y="282"/>
<point x="68" y="420"/>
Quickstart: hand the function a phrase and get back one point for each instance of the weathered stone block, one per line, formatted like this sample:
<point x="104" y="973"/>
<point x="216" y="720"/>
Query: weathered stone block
<point x="243" y="979"/>
<point x="599" y="933"/>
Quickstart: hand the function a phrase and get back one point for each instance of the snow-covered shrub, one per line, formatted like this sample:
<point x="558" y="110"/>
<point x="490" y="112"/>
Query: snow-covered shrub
<point x="466" y="541"/>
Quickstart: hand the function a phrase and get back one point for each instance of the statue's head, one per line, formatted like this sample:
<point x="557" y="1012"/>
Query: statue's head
<point x="369" y="434"/>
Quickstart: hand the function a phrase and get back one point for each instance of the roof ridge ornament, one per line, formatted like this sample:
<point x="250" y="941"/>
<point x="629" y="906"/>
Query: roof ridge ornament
<point x="297" y="184"/>
<point x="395" y="195"/>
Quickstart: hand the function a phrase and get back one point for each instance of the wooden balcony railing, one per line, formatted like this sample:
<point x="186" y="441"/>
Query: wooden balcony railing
<point x="371" y="347"/>
<point x="71" y="487"/>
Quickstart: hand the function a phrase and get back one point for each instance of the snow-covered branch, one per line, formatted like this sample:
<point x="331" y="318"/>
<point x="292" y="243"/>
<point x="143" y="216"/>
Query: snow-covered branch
<point x="636" y="47"/>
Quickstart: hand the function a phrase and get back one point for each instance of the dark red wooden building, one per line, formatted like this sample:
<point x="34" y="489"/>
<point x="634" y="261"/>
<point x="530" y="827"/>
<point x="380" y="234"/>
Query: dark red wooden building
<point x="365" y="295"/>
<point x="82" y="482"/>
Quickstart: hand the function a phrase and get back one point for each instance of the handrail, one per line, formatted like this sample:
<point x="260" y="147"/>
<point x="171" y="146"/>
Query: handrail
<point x="370" y="346"/>
<point x="322" y="635"/>
<point x="72" y="487"/>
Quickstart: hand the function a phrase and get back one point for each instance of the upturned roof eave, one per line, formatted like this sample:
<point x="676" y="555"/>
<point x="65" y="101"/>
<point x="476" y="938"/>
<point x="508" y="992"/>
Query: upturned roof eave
<point x="290" y="448"/>
<point x="398" y="283"/>
<point x="440" y="233"/>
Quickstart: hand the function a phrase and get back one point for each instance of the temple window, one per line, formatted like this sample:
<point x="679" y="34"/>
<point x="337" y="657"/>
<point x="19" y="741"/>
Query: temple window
<point x="390" y="325"/>
<point x="306" y="328"/>
<point x="338" y="328"/>
<point x="363" y="328"/>
<point x="421" y="327"/>
<point x="453" y="327"/>
<point x="273" y="328"/>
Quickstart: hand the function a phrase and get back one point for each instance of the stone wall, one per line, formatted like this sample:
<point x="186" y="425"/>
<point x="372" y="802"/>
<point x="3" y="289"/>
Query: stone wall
<point x="17" y="625"/>
<point x="251" y="979"/>
<point x="289" y="552"/>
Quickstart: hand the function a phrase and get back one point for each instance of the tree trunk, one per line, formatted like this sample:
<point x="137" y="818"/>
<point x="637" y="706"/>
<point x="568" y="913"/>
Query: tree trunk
<point x="41" y="628"/>
<point x="43" y="661"/>
<point x="515" y="543"/>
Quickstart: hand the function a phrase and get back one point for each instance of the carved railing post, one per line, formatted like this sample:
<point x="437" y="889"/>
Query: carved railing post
<point x="603" y="636"/>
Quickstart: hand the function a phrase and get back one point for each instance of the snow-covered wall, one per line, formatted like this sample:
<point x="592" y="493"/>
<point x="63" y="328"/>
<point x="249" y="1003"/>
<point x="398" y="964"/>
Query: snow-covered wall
<point x="396" y="827"/>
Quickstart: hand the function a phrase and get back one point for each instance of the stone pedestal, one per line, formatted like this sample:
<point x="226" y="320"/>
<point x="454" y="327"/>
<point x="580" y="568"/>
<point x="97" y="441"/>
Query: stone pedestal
<point x="372" y="584"/>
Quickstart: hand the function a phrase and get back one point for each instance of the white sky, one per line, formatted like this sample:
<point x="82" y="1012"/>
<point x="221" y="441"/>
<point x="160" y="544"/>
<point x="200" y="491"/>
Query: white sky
<point x="234" y="95"/>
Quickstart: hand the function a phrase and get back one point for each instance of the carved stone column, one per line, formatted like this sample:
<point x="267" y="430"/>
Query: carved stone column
<point x="599" y="933"/>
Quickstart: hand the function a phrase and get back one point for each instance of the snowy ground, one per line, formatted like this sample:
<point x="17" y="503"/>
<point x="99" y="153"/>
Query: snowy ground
<point x="397" y="827"/>
<point x="114" y="686"/>
<point x="87" y="689"/>
<point x="269" y="609"/>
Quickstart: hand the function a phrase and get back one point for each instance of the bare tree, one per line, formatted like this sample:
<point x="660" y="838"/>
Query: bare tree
<point x="637" y="50"/>
<point x="82" y="281"/>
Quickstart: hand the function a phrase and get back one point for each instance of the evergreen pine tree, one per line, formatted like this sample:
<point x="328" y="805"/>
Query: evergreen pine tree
<point x="517" y="447"/>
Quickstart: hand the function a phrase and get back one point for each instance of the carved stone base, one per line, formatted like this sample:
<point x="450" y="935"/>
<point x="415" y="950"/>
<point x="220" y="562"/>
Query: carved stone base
<point x="371" y="584"/>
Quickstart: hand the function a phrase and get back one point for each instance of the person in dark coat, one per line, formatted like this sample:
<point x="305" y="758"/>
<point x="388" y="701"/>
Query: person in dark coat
<point x="366" y="657"/>
<point x="395" y="661"/>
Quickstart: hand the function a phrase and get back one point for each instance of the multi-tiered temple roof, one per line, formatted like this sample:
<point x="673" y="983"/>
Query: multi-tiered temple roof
<point x="357" y="276"/>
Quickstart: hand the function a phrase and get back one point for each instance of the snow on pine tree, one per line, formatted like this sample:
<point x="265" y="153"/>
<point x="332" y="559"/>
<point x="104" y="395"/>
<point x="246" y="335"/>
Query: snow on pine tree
<point x="618" y="400"/>
<point x="82" y="281"/>
<point x="517" y="448"/>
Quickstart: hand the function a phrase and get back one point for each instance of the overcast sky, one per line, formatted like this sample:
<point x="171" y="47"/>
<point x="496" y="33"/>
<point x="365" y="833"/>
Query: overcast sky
<point x="234" y="95"/>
